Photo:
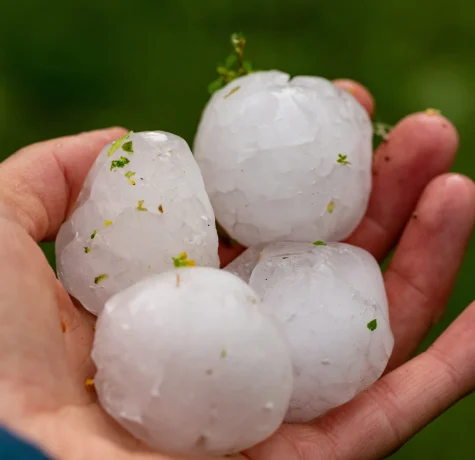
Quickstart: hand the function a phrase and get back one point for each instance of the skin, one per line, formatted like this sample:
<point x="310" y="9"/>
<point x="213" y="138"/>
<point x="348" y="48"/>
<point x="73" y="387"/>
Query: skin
<point x="415" y="206"/>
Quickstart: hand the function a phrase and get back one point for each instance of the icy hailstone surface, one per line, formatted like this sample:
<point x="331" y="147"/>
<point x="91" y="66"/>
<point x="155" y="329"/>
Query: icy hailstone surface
<point x="285" y="160"/>
<point x="143" y="202"/>
<point x="332" y="303"/>
<point x="192" y="362"/>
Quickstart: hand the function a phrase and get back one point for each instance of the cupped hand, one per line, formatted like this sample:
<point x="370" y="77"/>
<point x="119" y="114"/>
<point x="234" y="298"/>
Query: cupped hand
<point x="415" y="207"/>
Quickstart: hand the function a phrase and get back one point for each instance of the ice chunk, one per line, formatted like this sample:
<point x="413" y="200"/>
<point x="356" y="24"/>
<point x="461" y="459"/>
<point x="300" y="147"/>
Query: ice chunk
<point x="332" y="303"/>
<point x="192" y="362"/>
<point x="285" y="160"/>
<point x="142" y="203"/>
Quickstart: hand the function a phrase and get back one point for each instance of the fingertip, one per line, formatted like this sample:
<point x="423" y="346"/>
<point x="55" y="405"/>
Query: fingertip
<point x="461" y="184"/>
<point x="359" y="92"/>
<point x="429" y="127"/>
<point x="448" y="204"/>
<point x="459" y="191"/>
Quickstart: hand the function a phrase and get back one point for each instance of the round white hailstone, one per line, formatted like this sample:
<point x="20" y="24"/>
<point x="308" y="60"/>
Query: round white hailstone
<point x="285" y="160"/>
<point x="332" y="303"/>
<point x="143" y="202"/>
<point x="243" y="264"/>
<point x="191" y="361"/>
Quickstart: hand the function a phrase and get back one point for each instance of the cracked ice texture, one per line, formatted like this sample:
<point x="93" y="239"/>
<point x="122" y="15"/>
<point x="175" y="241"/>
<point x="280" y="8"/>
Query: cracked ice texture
<point x="325" y="296"/>
<point x="268" y="153"/>
<point x="191" y="361"/>
<point x="136" y="243"/>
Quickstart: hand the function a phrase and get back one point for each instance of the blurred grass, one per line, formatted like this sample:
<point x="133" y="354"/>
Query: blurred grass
<point x="70" y="67"/>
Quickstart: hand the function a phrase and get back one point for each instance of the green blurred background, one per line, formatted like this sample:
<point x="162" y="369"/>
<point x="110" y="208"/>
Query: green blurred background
<point x="72" y="66"/>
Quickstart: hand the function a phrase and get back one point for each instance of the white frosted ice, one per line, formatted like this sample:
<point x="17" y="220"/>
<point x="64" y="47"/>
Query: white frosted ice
<point x="143" y="202"/>
<point x="192" y="362"/>
<point x="328" y="298"/>
<point x="285" y="160"/>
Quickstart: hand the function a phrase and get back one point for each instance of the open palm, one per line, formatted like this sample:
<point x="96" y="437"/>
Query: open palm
<point x="46" y="339"/>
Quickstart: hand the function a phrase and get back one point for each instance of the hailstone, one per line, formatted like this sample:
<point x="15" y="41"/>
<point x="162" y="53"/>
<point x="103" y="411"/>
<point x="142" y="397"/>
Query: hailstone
<point x="332" y="303"/>
<point x="143" y="203"/>
<point x="191" y="362"/>
<point x="285" y="159"/>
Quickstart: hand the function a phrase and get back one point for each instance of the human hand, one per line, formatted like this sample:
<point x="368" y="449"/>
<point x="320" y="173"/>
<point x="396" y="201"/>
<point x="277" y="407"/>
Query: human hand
<point x="46" y="339"/>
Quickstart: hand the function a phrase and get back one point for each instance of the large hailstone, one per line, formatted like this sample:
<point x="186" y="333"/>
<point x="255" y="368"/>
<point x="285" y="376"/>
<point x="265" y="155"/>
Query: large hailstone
<point x="285" y="160"/>
<point x="192" y="362"/>
<point x="143" y="203"/>
<point x="332" y="303"/>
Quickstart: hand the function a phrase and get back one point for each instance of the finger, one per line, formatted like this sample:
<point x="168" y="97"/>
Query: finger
<point x="33" y="360"/>
<point x="422" y="273"/>
<point x="40" y="183"/>
<point x="382" y="418"/>
<point x="360" y="93"/>
<point x="420" y="147"/>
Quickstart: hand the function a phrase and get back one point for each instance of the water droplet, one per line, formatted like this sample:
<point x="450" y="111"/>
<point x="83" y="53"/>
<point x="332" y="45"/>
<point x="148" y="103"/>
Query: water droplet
<point x="326" y="362"/>
<point x="269" y="405"/>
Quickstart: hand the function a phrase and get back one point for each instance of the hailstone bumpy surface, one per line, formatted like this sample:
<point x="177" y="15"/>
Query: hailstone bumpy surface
<point x="143" y="203"/>
<point x="285" y="159"/>
<point x="191" y="361"/>
<point x="332" y="303"/>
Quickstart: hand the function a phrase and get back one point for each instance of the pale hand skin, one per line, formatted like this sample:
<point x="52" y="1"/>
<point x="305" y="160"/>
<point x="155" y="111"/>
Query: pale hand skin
<point x="414" y="204"/>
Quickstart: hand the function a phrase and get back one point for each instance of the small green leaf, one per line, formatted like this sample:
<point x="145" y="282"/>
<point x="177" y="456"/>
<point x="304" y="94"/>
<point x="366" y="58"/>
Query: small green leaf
<point x="372" y="325"/>
<point x="224" y="353"/>
<point x="93" y="234"/>
<point x="129" y="175"/>
<point x="87" y="250"/>
<point x="128" y="147"/>
<point x="216" y="85"/>
<point x="100" y="278"/>
<point x="331" y="207"/>
<point x="230" y="60"/>
<point x="182" y="261"/>
<point x="342" y="159"/>
<point x="319" y="243"/>
<point x="247" y="66"/>
<point x="120" y="163"/>
<point x="140" y="206"/>
<point x="117" y="144"/>
<point x="234" y="65"/>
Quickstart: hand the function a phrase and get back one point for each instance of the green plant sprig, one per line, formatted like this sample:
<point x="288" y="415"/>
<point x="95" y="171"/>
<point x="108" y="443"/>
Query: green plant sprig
<point x="234" y="65"/>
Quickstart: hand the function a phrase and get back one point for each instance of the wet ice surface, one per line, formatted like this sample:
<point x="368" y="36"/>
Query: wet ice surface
<point x="143" y="202"/>
<point x="332" y="303"/>
<point x="192" y="362"/>
<point x="285" y="160"/>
